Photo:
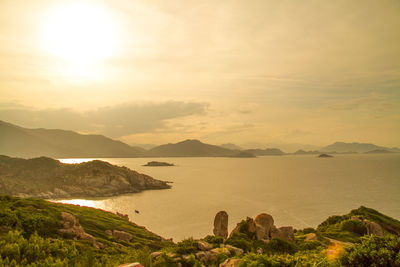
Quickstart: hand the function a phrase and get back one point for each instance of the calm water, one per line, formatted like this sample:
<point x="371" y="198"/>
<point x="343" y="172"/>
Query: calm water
<point x="300" y="191"/>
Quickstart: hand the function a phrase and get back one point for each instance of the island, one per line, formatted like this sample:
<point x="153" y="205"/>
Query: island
<point x="325" y="156"/>
<point x="50" y="179"/>
<point x="158" y="164"/>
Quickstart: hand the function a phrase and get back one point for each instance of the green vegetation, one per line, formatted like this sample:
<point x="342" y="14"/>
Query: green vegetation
<point x="29" y="233"/>
<point x="30" y="236"/>
<point x="373" y="251"/>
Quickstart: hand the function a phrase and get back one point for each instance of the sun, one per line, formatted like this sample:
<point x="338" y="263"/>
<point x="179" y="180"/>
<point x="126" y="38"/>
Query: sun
<point x="80" y="33"/>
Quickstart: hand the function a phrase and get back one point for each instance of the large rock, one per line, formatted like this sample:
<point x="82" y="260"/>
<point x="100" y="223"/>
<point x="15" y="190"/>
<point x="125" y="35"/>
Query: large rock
<point x="264" y="223"/>
<point x="236" y="251"/>
<point x="221" y="224"/>
<point x="373" y="228"/>
<point x="207" y="257"/>
<point x="71" y="226"/>
<point x="121" y="235"/>
<point x="203" y="245"/>
<point x="285" y="233"/>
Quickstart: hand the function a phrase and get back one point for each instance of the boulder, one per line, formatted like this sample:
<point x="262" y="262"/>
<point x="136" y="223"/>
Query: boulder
<point x="121" y="235"/>
<point x="221" y="224"/>
<point x="285" y="233"/>
<point x="373" y="228"/>
<point x="311" y="236"/>
<point x="264" y="223"/>
<point x="206" y="257"/>
<point x="71" y="225"/>
<point x="203" y="245"/>
<point x="222" y="250"/>
<point x="230" y="263"/>
<point x="236" y="251"/>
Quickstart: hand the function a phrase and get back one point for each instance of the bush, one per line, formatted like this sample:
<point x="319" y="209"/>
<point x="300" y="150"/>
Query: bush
<point x="240" y="240"/>
<point x="373" y="251"/>
<point x="186" y="246"/>
<point x="215" y="240"/>
<point x="280" y="246"/>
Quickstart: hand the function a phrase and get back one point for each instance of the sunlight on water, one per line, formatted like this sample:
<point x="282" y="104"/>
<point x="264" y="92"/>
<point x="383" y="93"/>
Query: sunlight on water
<point x="74" y="161"/>
<point x="82" y="202"/>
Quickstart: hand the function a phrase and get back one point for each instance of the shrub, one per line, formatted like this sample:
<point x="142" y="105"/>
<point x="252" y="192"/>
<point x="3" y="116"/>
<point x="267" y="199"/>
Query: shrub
<point x="373" y="251"/>
<point x="280" y="246"/>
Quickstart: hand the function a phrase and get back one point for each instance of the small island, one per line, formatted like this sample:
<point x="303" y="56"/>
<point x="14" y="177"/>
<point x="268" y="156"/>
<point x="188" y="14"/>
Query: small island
<point x="325" y="156"/>
<point x="158" y="164"/>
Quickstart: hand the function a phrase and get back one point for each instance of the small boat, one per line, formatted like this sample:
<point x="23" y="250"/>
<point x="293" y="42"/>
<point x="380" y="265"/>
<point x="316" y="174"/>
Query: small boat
<point x="136" y="211"/>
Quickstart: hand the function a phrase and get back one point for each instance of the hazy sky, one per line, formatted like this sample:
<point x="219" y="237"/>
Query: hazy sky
<point x="155" y="71"/>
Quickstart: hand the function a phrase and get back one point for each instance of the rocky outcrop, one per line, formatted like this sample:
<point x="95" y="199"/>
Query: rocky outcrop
<point x="121" y="235"/>
<point x="264" y="223"/>
<point x="71" y="226"/>
<point x="48" y="178"/>
<point x="262" y="228"/>
<point x="373" y="228"/>
<point x="204" y="246"/>
<point x="221" y="224"/>
<point x="284" y="233"/>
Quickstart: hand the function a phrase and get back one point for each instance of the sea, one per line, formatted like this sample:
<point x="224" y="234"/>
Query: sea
<point x="297" y="190"/>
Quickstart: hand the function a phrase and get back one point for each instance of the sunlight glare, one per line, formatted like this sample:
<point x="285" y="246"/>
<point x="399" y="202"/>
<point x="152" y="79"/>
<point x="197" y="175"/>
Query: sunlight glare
<point x="80" y="33"/>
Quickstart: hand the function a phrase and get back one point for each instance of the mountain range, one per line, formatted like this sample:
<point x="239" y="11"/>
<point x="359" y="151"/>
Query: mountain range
<point x="16" y="141"/>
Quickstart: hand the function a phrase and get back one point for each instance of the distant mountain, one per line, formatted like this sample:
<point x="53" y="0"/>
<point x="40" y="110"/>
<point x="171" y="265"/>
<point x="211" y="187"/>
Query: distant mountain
<point x="378" y="151"/>
<point x="22" y="142"/>
<point x="342" y="147"/>
<point x="191" y="148"/>
<point x="231" y="146"/>
<point x="265" y="152"/>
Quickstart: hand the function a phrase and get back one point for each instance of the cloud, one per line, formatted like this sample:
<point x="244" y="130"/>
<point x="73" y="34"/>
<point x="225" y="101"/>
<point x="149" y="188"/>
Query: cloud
<point x="114" y="121"/>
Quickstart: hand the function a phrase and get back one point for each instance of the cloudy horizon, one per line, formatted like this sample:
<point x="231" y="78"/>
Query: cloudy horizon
<point x="265" y="72"/>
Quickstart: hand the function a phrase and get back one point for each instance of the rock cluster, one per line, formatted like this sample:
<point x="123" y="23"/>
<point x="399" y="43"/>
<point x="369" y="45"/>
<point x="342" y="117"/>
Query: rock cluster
<point x="71" y="226"/>
<point x="260" y="228"/>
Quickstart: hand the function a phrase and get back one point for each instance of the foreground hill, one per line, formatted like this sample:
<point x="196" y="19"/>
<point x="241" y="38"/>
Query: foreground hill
<point x="191" y="148"/>
<point x="17" y="141"/>
<point x="42" y="233"/>
<point x="48" y="178"/>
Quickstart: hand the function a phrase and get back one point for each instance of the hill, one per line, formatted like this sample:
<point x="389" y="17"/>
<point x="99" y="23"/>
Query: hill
<point x="48" y="178"/>
<point x="41" y="233"/>
<point x="378" y="151"/>
<point x="191" y="148"/>
<point x="17" y="141"/>
<point x="342" y="147"/>
<point x="54" y="234"/>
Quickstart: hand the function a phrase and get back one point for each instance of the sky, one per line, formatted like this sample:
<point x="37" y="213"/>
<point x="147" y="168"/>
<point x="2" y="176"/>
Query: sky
<point x="253" y="73"/>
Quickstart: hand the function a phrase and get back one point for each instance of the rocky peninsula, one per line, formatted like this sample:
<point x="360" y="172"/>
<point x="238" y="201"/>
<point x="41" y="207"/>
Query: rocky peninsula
<point x="49" y="178"/>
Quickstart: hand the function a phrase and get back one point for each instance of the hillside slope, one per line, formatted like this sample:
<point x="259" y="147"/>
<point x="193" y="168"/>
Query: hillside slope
<point x="17" y="141"/>
<point x="191" y="148"/>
